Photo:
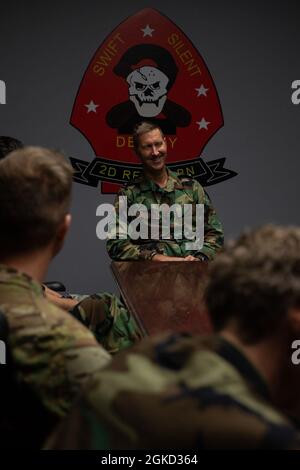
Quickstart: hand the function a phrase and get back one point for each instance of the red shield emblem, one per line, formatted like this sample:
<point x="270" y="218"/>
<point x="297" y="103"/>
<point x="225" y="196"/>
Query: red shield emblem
<point x="146" y="69"/>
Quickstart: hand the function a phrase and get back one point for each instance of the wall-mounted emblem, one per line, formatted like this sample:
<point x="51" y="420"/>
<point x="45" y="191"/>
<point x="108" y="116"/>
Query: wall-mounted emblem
<point x="147" y="68"/>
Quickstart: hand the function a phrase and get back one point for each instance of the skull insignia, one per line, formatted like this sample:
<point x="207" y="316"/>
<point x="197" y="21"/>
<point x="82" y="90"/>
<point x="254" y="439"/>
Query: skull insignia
<point x="148" y="90"/>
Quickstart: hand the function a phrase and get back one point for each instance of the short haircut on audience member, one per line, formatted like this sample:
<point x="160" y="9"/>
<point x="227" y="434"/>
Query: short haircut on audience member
<point x="9" y="144"/>
<point x="35" y="196"/>
<point x="255" y="281"/>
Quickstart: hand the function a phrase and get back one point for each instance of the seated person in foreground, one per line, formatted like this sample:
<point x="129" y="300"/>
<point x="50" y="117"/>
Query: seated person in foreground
<point x="159" y="186"/>
<point x="52" y="354"/>
<point x="183" y="392"/>
<point x="103" y="313"/>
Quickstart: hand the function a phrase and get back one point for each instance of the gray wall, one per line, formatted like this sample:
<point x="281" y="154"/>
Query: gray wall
<point x="251" y="50"/>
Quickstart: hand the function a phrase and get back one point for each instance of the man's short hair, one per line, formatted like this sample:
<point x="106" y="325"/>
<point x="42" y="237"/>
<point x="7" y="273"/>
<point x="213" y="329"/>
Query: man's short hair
<point x="142" y="128"/>
<point x="9" y="144"/>
<point x="35" y="196"/>
<point x="254" y="282"/>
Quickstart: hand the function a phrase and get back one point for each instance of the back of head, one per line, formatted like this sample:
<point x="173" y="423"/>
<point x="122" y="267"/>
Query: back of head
<point x="35" y="196"/>
<point x="9" y="144"/>
<point x="255" y="281"/>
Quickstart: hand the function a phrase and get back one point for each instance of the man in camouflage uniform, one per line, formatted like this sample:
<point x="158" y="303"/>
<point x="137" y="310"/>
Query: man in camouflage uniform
<point x="103" y="313"/>
<point x="182" y="392"/>
<point x="158" y="185"/>
<point x="51" y="353"/>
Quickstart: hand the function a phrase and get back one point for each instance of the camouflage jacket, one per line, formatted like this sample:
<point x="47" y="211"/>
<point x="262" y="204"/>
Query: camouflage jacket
<point x="109" y="320"/>
<point x="51" y="352"/>
<point x="179" y="191"/>
<point x="177" y="392"/>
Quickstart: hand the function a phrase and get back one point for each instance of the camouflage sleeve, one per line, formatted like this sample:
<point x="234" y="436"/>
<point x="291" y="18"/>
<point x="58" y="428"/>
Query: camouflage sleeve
<point x="213" y="230"/>
<point x="109" y="320"/>
<point x="122" y="425"/>
<point x="119" y="245"/>
<point x="53" y="354"/>
<point x="146" y="396"/>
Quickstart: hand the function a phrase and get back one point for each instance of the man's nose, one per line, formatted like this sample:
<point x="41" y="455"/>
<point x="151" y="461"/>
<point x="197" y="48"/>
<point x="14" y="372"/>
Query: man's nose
<point x="155" y="150"/>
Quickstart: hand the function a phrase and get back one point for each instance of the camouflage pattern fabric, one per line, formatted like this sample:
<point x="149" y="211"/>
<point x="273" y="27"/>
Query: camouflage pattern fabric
<point x="177" y="191"/>
<point x="176" y="392"/>
<point x="109" y="320"/>
<point x="52" y="353"/>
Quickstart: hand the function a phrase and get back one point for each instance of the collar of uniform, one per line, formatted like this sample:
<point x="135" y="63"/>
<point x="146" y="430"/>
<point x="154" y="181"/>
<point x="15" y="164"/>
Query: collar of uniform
<point x="234" y="356"/>
<point x="13" y="276"/>
<point x="172" y="183"/>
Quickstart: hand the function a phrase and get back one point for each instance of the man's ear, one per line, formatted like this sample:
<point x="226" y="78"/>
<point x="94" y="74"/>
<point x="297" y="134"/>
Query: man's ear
<point x="61" y="233"/>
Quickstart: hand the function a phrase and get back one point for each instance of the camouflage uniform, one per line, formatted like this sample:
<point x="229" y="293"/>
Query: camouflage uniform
<point x="109" y="320"/>
<point x="52" y="353"/>
<point x="177" y="191"/>
<point x="177" y="392"/>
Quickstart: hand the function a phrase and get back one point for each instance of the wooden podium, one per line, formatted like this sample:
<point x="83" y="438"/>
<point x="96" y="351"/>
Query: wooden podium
<point x="164" y="296"/>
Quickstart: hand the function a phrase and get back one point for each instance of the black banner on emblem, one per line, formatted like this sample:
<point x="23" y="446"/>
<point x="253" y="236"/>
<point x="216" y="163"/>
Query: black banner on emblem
<point x="100" y="169"/>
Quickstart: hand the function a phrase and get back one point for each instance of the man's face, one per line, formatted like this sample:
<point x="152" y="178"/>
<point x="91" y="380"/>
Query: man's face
<point x="152" y="150"/>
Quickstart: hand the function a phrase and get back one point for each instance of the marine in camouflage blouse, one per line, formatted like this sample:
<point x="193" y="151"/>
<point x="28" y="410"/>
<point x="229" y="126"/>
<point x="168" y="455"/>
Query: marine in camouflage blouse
<point x="178" y="190"/>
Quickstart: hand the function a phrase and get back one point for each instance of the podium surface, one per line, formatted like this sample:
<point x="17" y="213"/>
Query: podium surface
<point x="164" y="296"/>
